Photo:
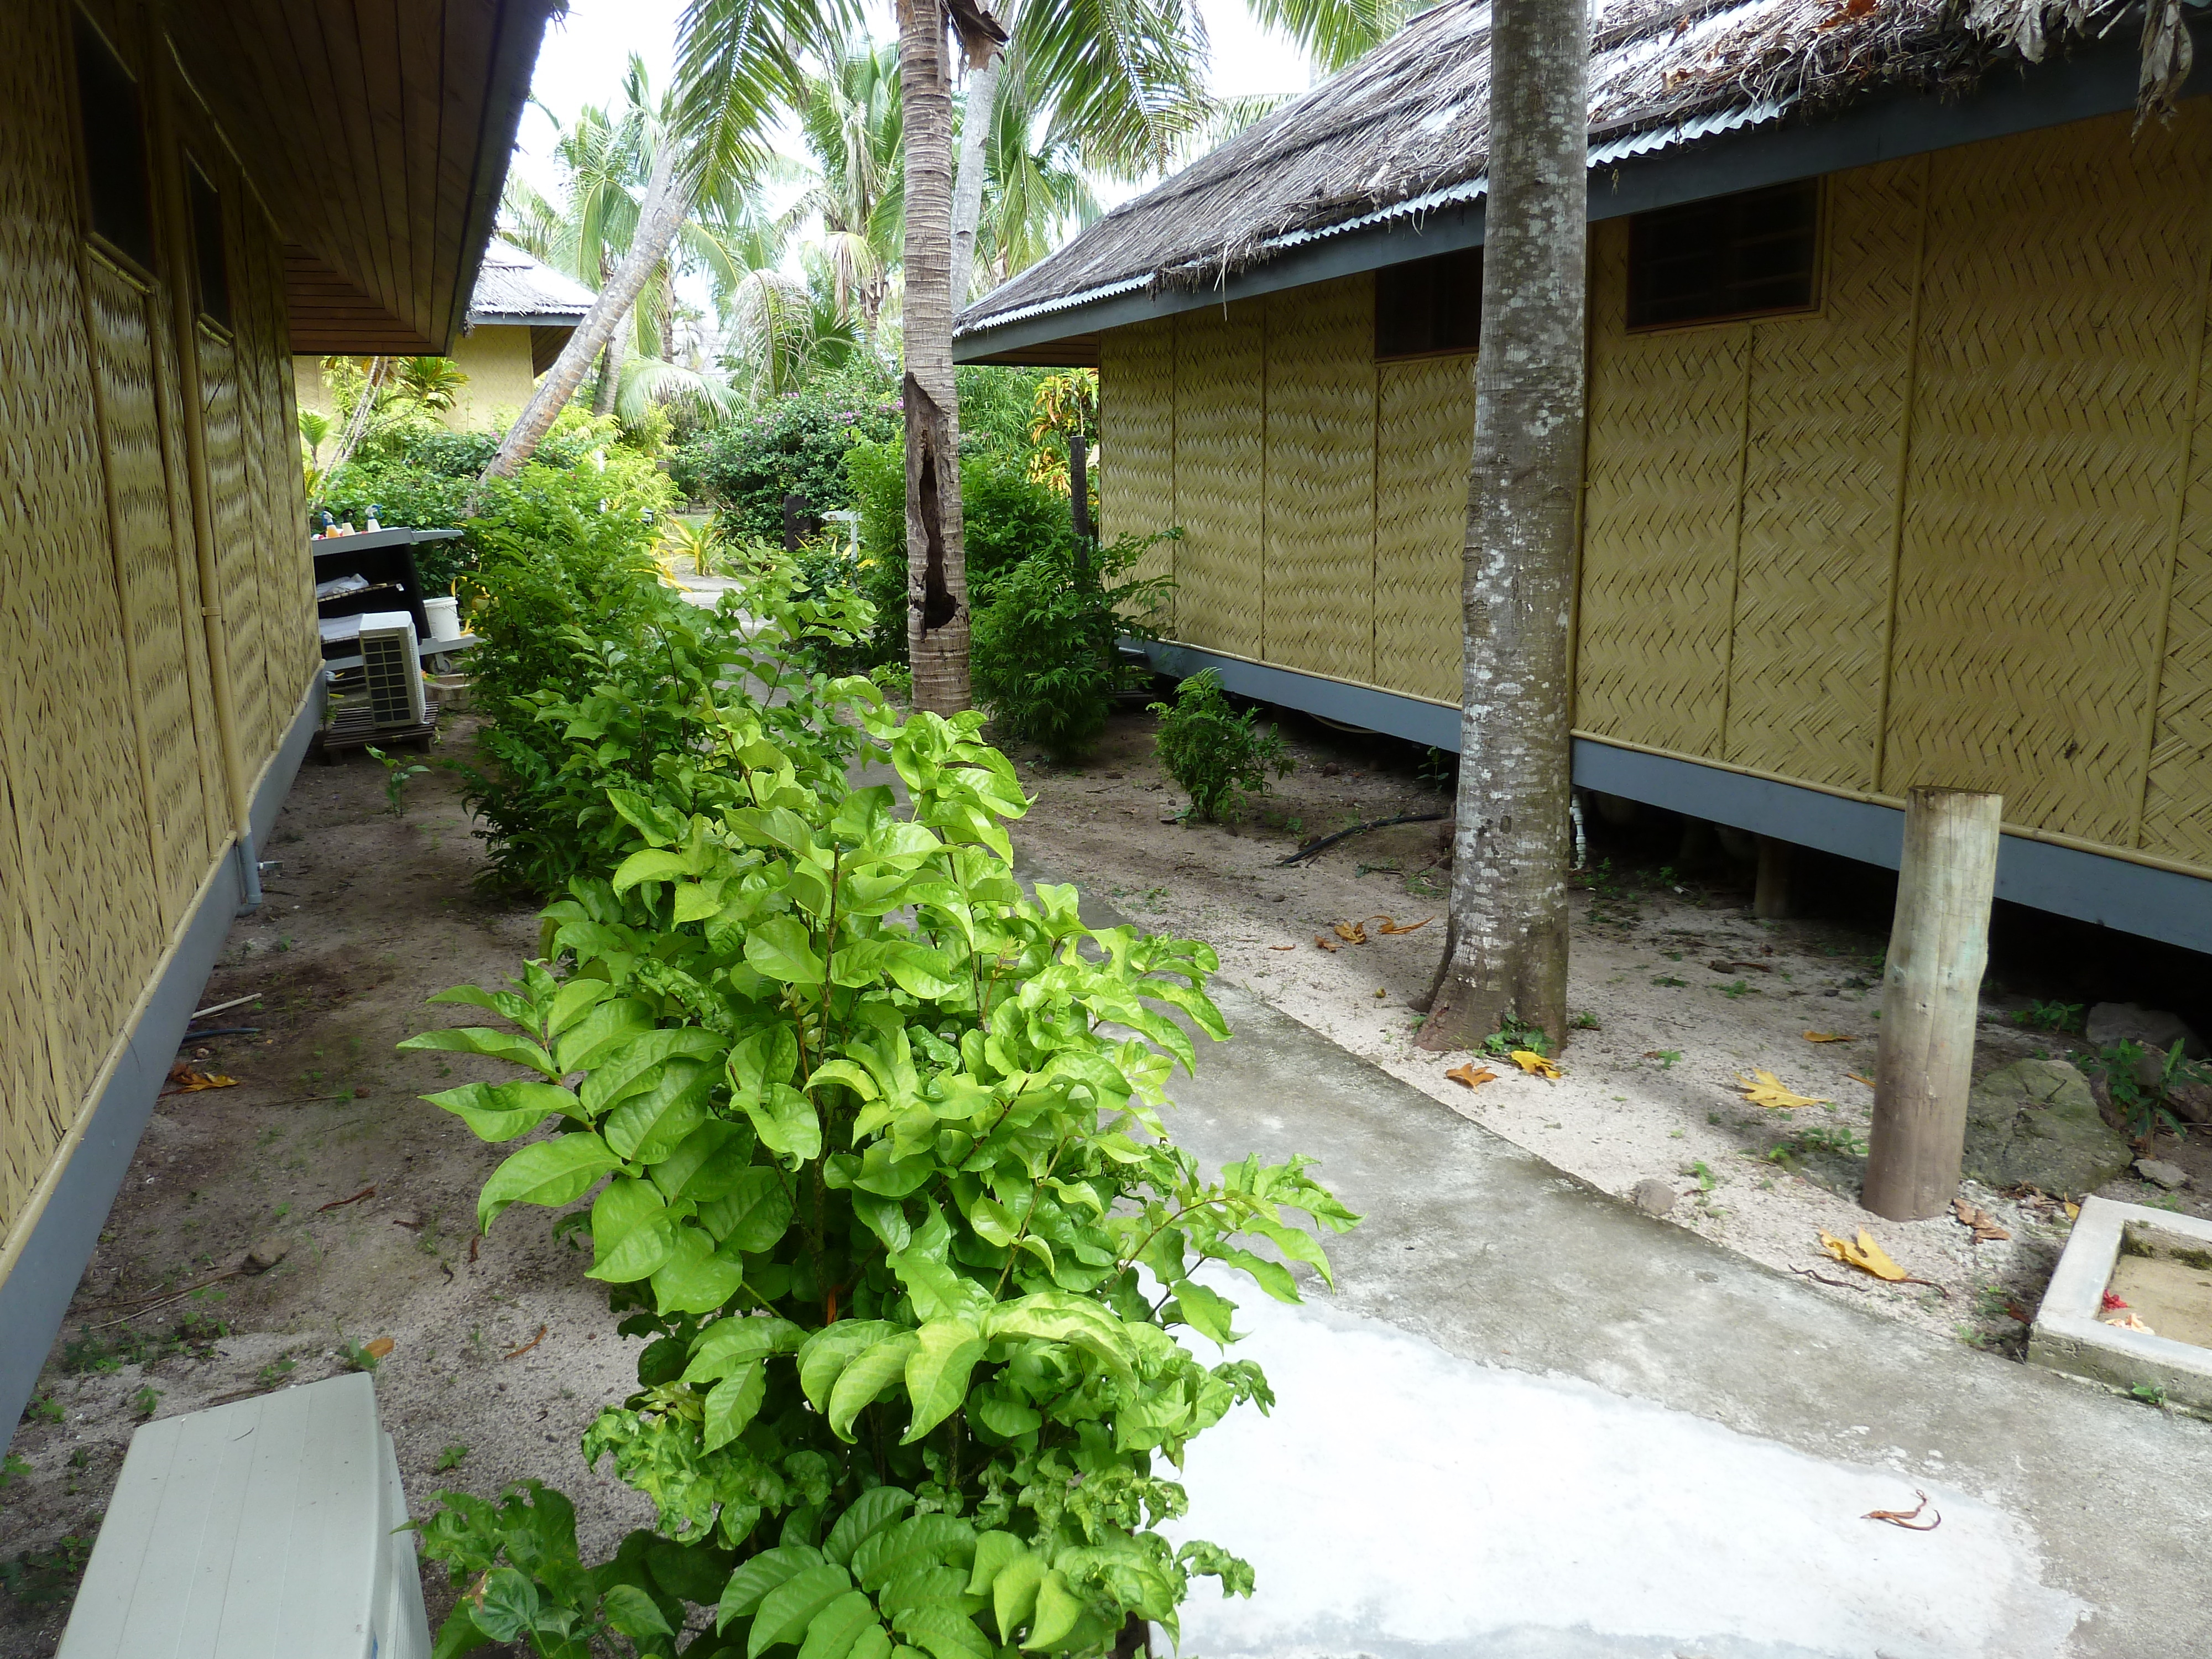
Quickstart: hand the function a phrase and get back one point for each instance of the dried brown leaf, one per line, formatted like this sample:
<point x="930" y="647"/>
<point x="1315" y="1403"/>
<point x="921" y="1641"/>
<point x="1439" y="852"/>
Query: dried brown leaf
<point x="1471" y="1075"/>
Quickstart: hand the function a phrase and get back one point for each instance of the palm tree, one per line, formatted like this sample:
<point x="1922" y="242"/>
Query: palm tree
<point x="1035" y="189"/>
<point x="851" y="118"/>
<point x="1505" y="946"/>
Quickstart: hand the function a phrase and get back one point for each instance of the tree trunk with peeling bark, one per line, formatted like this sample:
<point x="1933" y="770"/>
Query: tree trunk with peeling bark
<point x="937" y="566"/>
<point x="1505" y="946"/>
<point x="968" y="181"/>
<point x="668" y="200"/>
<point x="610" y="362"/>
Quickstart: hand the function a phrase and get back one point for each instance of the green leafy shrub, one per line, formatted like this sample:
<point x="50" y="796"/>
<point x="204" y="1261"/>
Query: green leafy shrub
<point x="890" y="1195"/>
<point x="1215" y="752"/>
<point x="1044" y="656"/>
<point x="793" y="445"/>
<point x="2143" y="1082"/>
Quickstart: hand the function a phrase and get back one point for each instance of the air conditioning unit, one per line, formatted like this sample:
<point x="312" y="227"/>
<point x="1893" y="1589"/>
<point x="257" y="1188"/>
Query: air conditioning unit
<point x="393" y="669"/>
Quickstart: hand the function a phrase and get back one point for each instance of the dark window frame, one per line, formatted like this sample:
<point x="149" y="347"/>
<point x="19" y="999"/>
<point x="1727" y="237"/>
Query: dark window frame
<point x="211" y="299"/>
<point x="1743" y="239"/>
<point x="1415" y="282"/>
<point x="114" y="158"/>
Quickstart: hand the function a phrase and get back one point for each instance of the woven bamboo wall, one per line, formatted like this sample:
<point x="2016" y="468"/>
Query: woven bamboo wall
<point x="1954" y="526"/>
<point x="1318" y="598"/>
<point x="1819" y="494"/>
<point x="1425" y="434"/>
<point x="2063" y="297"/>
<point x="113" y="810"/>
<point x="1664" y="479"/>
<point x="1220" y="484"/>
<point x="1136" y="440"/>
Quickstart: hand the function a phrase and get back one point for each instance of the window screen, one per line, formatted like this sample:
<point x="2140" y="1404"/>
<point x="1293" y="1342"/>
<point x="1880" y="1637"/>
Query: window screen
<point x="1428" y="308"/>
<point x="1733" y="255"/>
<point x="113" y="131"/>
<point x="213" y="272"/>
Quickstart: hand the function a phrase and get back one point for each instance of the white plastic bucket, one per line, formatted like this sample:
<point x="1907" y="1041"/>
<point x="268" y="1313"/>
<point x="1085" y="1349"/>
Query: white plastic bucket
<point x="445" y="618"/>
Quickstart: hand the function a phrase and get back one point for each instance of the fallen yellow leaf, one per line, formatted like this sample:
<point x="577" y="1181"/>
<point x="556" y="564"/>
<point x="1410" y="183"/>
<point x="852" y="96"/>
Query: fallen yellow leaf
<point x="1533" y="1063"/>
<point x="1866" y="1255"/>
<point x="1856" y="1077"/>
<point x="1352" y="933"/>
<point x="1391" y="925"/>
<point x="1827" y="1036"/>
<point x="1327" y="943"/>
<point x="1471" y="1076"/>
<point x="378" y="1349"/>
<point x="1765" y="1089"/>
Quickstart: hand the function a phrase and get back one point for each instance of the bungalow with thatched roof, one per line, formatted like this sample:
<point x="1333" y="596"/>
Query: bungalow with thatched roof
<point x="195" y="191"/>
<point x="520" y="315"/>
<point x="1899" y="466"/>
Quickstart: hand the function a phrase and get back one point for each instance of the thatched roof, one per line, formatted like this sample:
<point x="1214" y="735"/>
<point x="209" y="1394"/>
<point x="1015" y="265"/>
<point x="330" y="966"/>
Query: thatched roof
<point x="514" y="288"/>
<point x="1406" y="129"/>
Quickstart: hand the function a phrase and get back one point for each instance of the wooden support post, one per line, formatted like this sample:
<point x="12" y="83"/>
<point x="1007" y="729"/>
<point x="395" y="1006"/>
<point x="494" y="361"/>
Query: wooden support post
<point x="1770" y="900"/>
<point x="1939" y="947"/>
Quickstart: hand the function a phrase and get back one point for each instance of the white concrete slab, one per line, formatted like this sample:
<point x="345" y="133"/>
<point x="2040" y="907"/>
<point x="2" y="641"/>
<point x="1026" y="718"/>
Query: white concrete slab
<point x="1402" y="1501"/>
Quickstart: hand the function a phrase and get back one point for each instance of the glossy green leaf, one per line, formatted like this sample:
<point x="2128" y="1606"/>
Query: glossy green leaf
<point x="729" y="1343"/>
<point x="791" y="1607"/>
<point x="1058" y="1608"/>
<point x="654" y="1120"/>
<point x="500" y="1111"/>
<point x="752" y="1581"/>
<point x="632" y="1233"/>
<point x="631" y="1611"/>
<point x="1014" y="1593"/>
<point x="694" y="1280"/>
<point x="788" y="1123"/>
<point x="833" y="1632"/>
<point x="604" y="1028"/>
<point x="937" y="1372"/>
<point x="867" y="1515"/>
<point x="548" y="1172"/>
<point x="830" y="1350"/>
<point x="733" y="1402"/>
<point x="780" y="949"/>
<point x="867" y="1375"/>
<point x="483" y="1040"/>
<point x="754" y="1215"/>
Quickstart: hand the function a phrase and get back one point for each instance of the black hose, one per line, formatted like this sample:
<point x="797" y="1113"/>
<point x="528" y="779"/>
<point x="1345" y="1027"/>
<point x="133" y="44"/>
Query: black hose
<point x="1311" y="847"/>
<point x="222" y="1031"/>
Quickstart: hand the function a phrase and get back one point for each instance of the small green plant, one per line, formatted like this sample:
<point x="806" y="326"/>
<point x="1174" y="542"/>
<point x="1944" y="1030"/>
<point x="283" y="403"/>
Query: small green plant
<point x="2049" y="1016"/>
<point x="43" y="1408"/>
<point x="13" y="1468"/>
<point x="275" y="1370"/>
<point x="1044" y="657"/>
<point x="1215" y="752"/>
<point x="1585" y="1021"/>
<point x="42" y="1578"/>
<point x="357" y="1357"/>
<point x="1706" y="1179"/>
<point x="1836" y="1139"/>
<point x="452" y="1458"/>
<point x="397" y="775"/>
<point x="1666" y="1057"/>
<point x="895" y="680"/>
<point x="1513" y="1034"/>
<point x="2145" y="1107"/>
<point x="147" y="1400"/>
<point x="2150" y="1393"/>
<point x="1739" y="989"/>
<point x="1668" y="979"/>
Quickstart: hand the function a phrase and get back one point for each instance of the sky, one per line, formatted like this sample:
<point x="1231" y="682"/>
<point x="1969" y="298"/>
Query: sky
<point x="584" y="55"/>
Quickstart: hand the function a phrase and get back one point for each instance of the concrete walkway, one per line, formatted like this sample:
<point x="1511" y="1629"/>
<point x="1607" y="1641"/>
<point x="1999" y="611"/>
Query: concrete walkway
<point x="1534" y="1422"/>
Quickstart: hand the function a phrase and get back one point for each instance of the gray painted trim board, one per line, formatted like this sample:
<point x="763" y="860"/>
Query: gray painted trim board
<point x="2135" y="898"/>
<point x="35" y="1297"/>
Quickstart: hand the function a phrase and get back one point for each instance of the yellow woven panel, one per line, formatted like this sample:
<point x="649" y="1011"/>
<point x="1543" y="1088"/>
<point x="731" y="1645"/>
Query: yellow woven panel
<point x="32" y="1123"/>
<point x="1136" y="439"/>
<point x="237" y="552"/>
<point x="273" y="447"/>
<point x="1666" y="444"/>
<point x="1319" y="583"/>
<point x="80" y="904"/>
<point x="1424" y="445"/>
<point x="149" y="558"/>
<point x="1820" y="479"/>
<point x="1220" y="475"/>
<point x="2064" y="290"/>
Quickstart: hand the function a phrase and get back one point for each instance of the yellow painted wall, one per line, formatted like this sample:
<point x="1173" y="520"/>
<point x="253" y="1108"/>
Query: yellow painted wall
<point x="1954" y="526"/>
<point x="115" y="809"/>
<point x="496" y="360"/>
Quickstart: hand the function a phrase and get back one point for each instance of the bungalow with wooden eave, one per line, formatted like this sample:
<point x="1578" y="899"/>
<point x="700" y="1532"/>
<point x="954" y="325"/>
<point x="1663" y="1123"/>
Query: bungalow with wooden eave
<point x="191" y="192"/>
<point x="1899" y="452"/>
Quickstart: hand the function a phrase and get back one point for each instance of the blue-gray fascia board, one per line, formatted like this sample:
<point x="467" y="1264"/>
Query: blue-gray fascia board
<point x="2099" y="80"/>
<point x="2117" y="893"/>
<point x="35" y="1297"/>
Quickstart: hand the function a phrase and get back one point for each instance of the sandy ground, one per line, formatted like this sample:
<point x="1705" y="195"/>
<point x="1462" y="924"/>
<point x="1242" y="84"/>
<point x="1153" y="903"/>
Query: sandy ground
<point x="501" y="1352"/>
<point x="324" y="1147"/>
<point x="1677" y="991"/>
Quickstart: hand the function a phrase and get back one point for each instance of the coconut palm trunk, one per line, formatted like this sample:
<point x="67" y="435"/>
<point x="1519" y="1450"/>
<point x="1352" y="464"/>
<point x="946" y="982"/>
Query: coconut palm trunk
<point x="967" y="182"/>
<point x="610" y="362"/>
<point x="937" y="565"/>
<point x="1505" y="946"/>
<point x="667" y="201"/>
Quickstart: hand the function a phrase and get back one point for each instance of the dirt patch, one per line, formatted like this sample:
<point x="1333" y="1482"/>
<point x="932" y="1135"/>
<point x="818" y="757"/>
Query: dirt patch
<point x="324" y="1147"/>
